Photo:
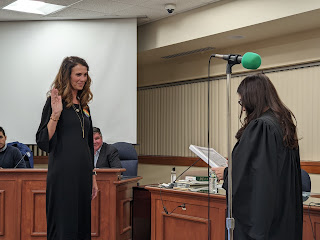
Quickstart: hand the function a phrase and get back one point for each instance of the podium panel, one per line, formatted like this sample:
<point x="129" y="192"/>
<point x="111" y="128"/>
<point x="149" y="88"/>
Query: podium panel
<point x="178" y="226"/>
<point x="8" y="210"/>
<point x="33" y="205"/>
<point x="191" y="223"/>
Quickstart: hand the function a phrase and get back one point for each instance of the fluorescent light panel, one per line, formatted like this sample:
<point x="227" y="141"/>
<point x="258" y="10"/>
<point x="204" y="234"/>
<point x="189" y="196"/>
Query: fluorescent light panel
<point x="35" y="7"/>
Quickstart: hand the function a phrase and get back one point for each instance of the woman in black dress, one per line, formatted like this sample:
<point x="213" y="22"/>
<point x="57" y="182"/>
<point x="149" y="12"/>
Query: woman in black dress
<point x="65" y="132"/>
<point x="266" y="175"/>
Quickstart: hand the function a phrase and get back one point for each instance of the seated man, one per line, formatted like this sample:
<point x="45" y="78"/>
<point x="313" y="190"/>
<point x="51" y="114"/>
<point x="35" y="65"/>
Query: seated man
<point x="10" y="157"/>
<point x="105" y="155"/>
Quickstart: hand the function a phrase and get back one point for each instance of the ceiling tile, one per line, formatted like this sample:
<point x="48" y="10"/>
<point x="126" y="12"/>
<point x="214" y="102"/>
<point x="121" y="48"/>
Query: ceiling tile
<point x="131" y="2"/>
<point x="86" y="9"/>
<point x="141" y="11"/>
<point x="107" y="7"/>
<point x="61" y="2"/>
<point x="4" y="3"/>
<point x="181" y="5"/>
<point x="6" y="15"/>
<point x="76" y="13"/>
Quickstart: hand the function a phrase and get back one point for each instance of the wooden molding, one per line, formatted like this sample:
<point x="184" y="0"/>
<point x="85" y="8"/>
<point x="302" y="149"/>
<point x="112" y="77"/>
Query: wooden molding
<point x="171" y="160"/>
<point x="40" y="159"/>
<point x="309" y="166"/>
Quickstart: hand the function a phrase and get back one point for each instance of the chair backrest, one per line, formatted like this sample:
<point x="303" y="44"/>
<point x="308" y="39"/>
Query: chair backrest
<point x="24" y="149"/>
<point x="306" y="182"/>
<point x="128" y="157"/>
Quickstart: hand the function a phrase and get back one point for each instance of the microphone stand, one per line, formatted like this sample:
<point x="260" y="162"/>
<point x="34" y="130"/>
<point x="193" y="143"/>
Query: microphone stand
<point x="171" y="185"/>
<point x="229" y="220"/>
<point x="232" y="60"/>
<point x="26" y="154"/>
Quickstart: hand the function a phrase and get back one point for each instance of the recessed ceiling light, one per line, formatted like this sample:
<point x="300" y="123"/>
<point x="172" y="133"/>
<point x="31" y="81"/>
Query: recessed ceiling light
<point x="36" y="7"/>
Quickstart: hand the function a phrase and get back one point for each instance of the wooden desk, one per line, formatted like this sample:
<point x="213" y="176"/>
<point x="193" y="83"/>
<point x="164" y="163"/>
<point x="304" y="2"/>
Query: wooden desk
<point x="22" y="205"/>
<point x="311" y="215"/>
<point x="193" y="222"/>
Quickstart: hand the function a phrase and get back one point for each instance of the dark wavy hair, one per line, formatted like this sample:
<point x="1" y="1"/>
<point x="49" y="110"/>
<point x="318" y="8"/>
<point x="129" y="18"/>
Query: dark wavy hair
<point x="63" y="84"/>
<point x="258" y="94"/>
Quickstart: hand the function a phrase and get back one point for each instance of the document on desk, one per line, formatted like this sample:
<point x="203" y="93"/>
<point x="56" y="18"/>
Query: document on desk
<point x="215" y="159"/>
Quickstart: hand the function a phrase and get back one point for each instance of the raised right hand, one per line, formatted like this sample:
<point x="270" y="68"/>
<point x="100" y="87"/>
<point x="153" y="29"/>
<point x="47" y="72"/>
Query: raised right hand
<point x="56" y="103"/>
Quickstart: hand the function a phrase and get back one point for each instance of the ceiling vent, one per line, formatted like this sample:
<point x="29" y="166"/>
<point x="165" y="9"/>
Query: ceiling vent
<point x="200" y="50"/>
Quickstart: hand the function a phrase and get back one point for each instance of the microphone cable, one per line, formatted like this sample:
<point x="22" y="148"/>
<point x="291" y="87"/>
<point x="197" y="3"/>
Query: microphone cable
<point x="164" y="208"/>
<point x="309" y="205"/>
<point x="183" y="205"/>
<point x="209" y="224"/>
<point x="171" y="186"/>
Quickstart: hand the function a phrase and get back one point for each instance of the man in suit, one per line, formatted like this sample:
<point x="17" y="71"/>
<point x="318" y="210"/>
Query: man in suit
<point x="105" y="155"/>
<point x="10" y="157"/>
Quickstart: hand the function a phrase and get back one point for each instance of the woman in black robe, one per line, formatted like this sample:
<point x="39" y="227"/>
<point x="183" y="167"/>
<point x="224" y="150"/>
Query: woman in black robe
<point x="65" y="132"/>
<point x="266" y="175"/>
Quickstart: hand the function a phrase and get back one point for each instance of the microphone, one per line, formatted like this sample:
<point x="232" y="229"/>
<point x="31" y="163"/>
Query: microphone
<point x="249" y="60"/>
<point x="27" y="153"/>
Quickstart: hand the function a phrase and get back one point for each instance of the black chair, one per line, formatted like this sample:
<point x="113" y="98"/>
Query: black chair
<point x="306" y="182"/>
<point x="306" y="185"/>
<point x="128" y="157"/>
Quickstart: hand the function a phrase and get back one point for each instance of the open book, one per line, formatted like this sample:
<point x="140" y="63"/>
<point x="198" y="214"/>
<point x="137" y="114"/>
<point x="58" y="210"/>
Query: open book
<point x="215" y="159"/>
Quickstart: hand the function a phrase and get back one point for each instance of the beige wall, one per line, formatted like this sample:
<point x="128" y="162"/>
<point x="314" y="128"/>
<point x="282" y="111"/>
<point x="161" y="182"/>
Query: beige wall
<point x="217" y="18"/>
<point x="281" y="51"/>
<point x="297" y="88"/>
<point x="162" y="173"/>
<point x="315" y="183"/>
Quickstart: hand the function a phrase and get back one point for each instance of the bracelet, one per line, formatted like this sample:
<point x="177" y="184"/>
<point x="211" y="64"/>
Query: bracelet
<point x="56" y="120"/>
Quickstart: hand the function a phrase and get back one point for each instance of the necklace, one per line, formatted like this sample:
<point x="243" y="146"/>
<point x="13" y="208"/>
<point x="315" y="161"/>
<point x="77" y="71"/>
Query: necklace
<point x="81" y="122"/>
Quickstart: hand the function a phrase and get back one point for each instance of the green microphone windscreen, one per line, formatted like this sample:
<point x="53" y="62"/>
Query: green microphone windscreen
<point x="251" y="60"/>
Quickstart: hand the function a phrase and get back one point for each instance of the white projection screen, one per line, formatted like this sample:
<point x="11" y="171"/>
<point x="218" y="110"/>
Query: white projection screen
<point x="31" y="53"/>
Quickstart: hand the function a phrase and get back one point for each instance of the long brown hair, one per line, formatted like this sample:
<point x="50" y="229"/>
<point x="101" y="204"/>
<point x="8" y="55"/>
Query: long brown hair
<point x="63" y="84"/>
<point x="258" y="94"/>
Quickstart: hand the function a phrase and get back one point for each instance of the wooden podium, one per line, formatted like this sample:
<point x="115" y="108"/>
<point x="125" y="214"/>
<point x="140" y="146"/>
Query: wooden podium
<point x="191" y="223"/>
<point x="23" y="205"/>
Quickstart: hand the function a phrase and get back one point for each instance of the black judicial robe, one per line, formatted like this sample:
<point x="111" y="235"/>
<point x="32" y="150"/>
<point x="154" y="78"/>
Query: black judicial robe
<point x="69" y="179"/>
<point x="267" y="195"/>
